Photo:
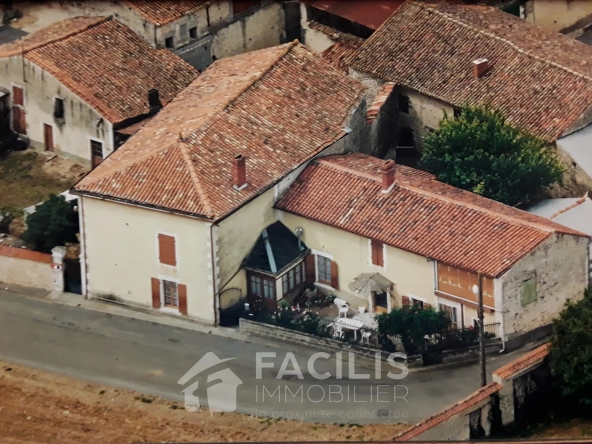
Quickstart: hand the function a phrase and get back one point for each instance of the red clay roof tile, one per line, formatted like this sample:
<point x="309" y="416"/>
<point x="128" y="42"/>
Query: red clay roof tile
<point x="162" y="12"/>
<point x="523" y="362"/>
<point x="279" y="107"/>
<point x="419" y="214"/>
<point x="539" y="79"/>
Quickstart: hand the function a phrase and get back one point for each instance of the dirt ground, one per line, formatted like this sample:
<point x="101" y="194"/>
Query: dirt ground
<point x="576" y="428"/>
<point x="36" y="406"/>
<point x="28" y="177"/>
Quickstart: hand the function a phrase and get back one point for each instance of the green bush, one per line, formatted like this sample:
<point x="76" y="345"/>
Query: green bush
<point x="571" y="350"/>
<point x="53" y="223"/>
<point x="413" y="323"/>
<point x="480" y="152"/>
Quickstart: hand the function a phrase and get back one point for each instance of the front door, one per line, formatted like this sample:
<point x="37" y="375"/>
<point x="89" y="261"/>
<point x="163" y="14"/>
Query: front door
<point x="260" y="284"/>
<point x="48" y="137"/>
<point x="96" y="152"/>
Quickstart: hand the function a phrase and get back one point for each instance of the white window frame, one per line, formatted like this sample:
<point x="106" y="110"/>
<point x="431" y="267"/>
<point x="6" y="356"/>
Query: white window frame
<point x="172" y="267"/>
<point x="327" y="256"/>
<point x="64" y="103"/>
<point x="164" y="308"/>
<point x="457" y="306"/>
<point x="383" y="255"/>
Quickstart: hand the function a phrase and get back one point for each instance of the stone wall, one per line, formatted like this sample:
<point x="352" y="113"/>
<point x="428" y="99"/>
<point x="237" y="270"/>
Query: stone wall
<point x="25" y="267"/>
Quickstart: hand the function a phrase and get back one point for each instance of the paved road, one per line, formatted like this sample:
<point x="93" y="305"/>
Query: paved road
<point x="151" y="358"/>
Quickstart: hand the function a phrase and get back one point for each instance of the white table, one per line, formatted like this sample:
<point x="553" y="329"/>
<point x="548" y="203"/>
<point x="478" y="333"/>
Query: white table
<point x="350" y="324"/>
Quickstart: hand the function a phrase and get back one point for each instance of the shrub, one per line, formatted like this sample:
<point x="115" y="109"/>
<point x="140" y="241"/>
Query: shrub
<point x="53" y="223"/>
<point x="571" y="350"/>
<point x="480" y="152"/>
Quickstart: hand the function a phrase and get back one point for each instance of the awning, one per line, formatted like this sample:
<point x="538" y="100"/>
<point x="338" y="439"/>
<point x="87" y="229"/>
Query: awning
<point x="366" y="283"/>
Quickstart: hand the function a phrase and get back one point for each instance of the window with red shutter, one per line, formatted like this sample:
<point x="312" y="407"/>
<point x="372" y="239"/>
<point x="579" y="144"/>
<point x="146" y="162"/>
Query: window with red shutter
<point x="166" y="250"/>
<point x="377" y="253"/>
<point x="18" y="96"/>
<point x="239" y="6"/>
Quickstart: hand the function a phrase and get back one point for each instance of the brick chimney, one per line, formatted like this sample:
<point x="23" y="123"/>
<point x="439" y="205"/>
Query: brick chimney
<point x="388" y="175"/>
<point x="480" y="67"/>
<point x="239" y="172"/>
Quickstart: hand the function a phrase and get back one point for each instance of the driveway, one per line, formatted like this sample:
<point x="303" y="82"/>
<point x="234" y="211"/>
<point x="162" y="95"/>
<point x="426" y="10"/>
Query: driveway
<point x="150" y="358"/>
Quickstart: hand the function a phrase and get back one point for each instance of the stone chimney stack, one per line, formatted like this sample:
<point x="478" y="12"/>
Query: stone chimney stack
<point x="239" y="172"/>
<point x="480" y="67"/>
<point x="388" y="175"/>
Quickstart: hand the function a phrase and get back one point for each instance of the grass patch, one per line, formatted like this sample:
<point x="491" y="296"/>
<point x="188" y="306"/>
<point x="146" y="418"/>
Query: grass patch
<point x="23" y="182"/>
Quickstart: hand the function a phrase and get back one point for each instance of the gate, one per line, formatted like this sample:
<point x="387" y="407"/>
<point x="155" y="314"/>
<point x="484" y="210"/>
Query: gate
<point x="72" y="276"/>
<point x="232" y="305"/>
<point x="531" y="393"/>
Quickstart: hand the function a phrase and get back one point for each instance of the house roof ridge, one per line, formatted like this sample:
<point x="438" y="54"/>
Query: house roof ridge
<point x="335" y="166"/>
<point x="24" y="49"/>
<point x="513" y="45"/>
<point x="578" y="202"/>
<point x="195" y="177"/>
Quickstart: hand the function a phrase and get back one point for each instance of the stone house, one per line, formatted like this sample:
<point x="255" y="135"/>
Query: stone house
<point x="185" y="200"/>
<point x="424" y="242"/>
<point x="563" y="16"/>
<point x="198" y="31"/>
<point x="81" y="86"/>
<point x="441" y="56"/>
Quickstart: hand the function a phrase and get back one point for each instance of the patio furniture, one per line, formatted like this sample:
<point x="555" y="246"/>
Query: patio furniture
<point x="343" y="310"/>
<point x="337" y="330"/>
<point x="349" y="324"/>
<point x="365" y="336"/>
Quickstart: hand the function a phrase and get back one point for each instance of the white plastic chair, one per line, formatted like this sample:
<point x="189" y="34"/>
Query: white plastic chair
<point x="343" y="310"/>
<point x="338" y="331"/>
<point x="365" y="336"/>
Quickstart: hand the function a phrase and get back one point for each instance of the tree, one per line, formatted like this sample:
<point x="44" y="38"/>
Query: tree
<point x="571" y="350"/>
<point x="413" y="323"/>
<point x="53" y="223"/>
<point x="480" y="152"/>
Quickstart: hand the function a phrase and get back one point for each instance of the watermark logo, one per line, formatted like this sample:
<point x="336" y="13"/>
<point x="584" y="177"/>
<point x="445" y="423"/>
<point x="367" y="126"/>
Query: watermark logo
<point x="221" y="395"/>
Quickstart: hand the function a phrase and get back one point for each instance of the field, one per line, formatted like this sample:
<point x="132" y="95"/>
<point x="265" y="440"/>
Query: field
<point x="36" y="406"/>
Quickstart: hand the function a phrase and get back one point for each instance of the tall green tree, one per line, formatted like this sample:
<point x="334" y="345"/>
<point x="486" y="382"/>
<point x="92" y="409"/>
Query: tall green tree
<point x="53" y="223"/>
<point x="571" y="350"/>
<point x="480" y="152"/>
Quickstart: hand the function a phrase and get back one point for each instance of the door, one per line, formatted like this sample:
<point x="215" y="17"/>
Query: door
<point x="18" y="110"/>
<point x="260" y="284"/>
<point x="48" y="137"/>
<point x="96" y="153"/>
<point x="232" y="306"/>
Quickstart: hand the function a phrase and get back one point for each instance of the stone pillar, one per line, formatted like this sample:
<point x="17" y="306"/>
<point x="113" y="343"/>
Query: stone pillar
<point x="57" y="259"/>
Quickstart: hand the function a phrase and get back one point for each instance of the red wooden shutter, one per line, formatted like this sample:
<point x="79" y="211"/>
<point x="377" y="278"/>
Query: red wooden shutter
<point x="18" y="97"/>
<point x="155" y="293"/>
<point x="182" y="298"/>
<point x="334" y="276"/>
<point x="427" y="305"/>
<point x="377" y="253"/>
<point x="309" y="265"/>
<point x="373" y="248"/>
<point x="166" y="250"/>
<point x="405" y="301"/>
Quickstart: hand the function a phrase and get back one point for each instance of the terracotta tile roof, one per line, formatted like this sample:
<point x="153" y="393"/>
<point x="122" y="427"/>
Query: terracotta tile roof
<point x="344" y="47"/>
<point x="22" y="253"/>
<point x="379" y="100"/>
<point x="419" y="214"/>
<point x="162" y="12"/>
<point x="462" y="406"/>
<point x="524" y="362"/>
<point x="541" y="80"/>
<point x="279" y="107"/>
<point x="134" y="127"/>
<point x="106" y="64"/>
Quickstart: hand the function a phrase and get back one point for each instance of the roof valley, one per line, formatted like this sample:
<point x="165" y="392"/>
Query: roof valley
<point x="195" y="178"/>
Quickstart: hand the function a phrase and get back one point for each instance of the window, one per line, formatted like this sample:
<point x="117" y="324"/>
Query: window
<point x="170" y="293"/>
<point x="268" y="289"/>
<point x="169" y="42"/>
<point x="457" y="113"/>
<point x="408" y="301"/>
<point x="166" y="250"/>
<point x="239" y="6"/>
<point x="377" y="253"/>
<point x="324" y="270"/>
<point x="293" y="278"/>
<point x="528" y="293"/>
<point x="429" y="130"/>
<point x="404" y="104"/>
<point x="183" y="30"/>
<point x="406" y="137"/>
<point x="380" y="300"/>
<point x="193" y="32"/>
<point x="96" y="149"/>
<point x="256" y="287"/>
<point x="18" y="96"/>
<point x="417" y="302"/>
<point x="450" y="313"/>
<point x="58" y="108"/>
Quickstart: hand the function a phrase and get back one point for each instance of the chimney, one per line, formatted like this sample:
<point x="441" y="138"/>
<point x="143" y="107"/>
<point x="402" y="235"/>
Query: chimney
<point x="239" y="172"/>
<point x="388" y="175"/>
<point x="154" y="101"/>
<point x="480" y="67"/>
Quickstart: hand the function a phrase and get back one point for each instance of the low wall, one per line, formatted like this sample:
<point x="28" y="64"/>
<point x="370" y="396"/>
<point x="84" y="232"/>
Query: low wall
<point x="25" y="267"/>
<point x="275" y="332"/>
<point x="492" y="407"/>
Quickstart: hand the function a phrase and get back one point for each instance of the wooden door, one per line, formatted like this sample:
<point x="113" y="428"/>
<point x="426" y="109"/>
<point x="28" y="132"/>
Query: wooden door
<point x="48" y="137"/>
<point x="19" y="123"/>
<point x="96" y="153"/>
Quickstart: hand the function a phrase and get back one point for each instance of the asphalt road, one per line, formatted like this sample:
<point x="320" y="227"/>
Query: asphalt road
<point x="151" y="358"/>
